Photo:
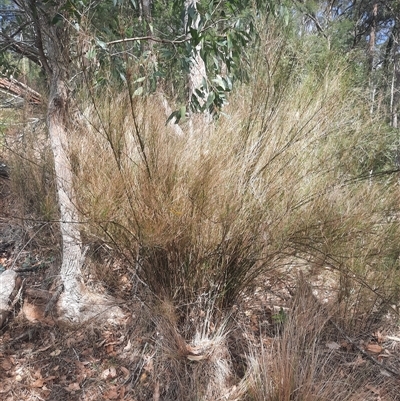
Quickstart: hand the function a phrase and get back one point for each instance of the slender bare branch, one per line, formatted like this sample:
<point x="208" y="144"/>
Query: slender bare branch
<point x="150" y="38"/>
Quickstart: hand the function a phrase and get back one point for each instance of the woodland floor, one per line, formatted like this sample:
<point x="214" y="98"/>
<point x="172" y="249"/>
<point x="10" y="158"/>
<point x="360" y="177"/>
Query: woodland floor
<point x="41" y="360"/>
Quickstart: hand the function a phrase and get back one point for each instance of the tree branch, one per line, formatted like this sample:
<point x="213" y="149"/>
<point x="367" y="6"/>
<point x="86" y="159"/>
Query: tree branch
<point x="20" y="48"/>
<point x="159" y="40"/>
<point x="150" y="38"/>
<point x="317" y="24"/>
<point x="39" y="41"/>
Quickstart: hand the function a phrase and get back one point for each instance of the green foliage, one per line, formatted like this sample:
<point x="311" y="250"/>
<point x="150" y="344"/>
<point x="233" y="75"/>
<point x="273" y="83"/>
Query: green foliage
<point x="7" y="64"/>
<point x="225" y="30"/>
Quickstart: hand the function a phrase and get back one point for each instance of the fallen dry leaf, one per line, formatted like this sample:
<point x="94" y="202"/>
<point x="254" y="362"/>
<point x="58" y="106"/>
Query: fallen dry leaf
<point x="38" y="383"/>
<point x="109" y="348"/>
<point x="125" y="372"/>
<point x="109" y="373"/>
<point x="111" y="394"/>
<point x="348" y="346"/>
<point x="379" y="337"/>
<point x="143" y="377"/>
<point x="55" y="353"/>
<point x="333" y="345"/>
<point x="6" y="364"/>
<point x="128" y="346"/>
<point x="73" y="387"/>
<point x="374" y="348"/>
<point x="71" y="341"/>
<point x="113" y="372"/>
<point x="105" y="374"/>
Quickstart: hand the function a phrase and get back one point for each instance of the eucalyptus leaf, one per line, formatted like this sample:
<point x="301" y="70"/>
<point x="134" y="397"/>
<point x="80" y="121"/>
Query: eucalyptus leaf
<point x="210" y="100"/>
<point x="138" y="91"/>
<point x="102" y="44"/>
<point x="141" y="79"/>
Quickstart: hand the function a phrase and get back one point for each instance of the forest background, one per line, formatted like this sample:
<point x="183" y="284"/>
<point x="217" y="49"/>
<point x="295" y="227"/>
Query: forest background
<point x="215" y="184"/>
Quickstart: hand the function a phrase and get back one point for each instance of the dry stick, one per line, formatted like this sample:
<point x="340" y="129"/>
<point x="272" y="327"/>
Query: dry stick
<point x="18" y="296"/>
<point x="364" y="353"/>
<point x="392" y="338"/>
<point x="20" y="89"/>
<point x="160" y="40"/>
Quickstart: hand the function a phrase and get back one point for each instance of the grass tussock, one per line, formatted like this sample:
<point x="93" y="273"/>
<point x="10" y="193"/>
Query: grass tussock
<point x="278" y="180"/>
<point x="197" y="368"/>
<point x="31" y="169"/>
<point x="298" y="365"/>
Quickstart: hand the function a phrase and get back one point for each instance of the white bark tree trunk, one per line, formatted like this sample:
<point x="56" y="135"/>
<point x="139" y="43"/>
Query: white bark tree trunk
<point x="76" y="304"/>
<point x="197" y="69"/>
<point x="72" y="258"/>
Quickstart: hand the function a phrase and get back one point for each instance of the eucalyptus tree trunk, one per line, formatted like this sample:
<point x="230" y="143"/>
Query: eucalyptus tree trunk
<point x="72" y="258"/>
<point x="197" y="68"/>
<point x="76" y="303"/>
<point x="372" y="37"/>
<point x="393" y="101"/>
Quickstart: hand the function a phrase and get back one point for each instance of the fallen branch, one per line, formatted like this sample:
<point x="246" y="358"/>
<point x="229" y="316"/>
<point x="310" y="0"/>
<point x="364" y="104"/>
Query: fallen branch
<point x="18" y="88"/>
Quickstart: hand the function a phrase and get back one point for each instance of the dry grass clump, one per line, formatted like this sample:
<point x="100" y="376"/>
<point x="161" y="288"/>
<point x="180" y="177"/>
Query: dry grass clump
<point x="272" y="183"/>
<point x="31" y="169"/>
<point x="31" y="185"/>
<point x="198" y="368"/>
<point x="298" y="365"/>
